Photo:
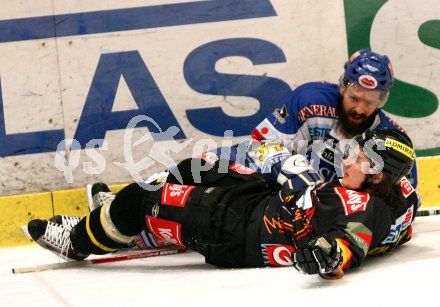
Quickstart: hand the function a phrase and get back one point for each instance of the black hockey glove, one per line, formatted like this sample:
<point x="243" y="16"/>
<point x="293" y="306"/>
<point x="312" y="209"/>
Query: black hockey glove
<point x="321" y="256"/>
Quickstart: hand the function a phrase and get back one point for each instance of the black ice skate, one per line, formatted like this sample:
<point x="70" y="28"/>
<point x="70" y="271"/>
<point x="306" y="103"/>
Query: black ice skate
<point x="65" y="220"/>
<point x="98" y="194"/>
<point x="55" y="238"/>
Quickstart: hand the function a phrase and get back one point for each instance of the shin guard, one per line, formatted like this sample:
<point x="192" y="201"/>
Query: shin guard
<point x="113" y="225"/>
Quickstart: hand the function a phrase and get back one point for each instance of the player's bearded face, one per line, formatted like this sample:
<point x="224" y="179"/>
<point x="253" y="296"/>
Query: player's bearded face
<point x="358" y="108"/>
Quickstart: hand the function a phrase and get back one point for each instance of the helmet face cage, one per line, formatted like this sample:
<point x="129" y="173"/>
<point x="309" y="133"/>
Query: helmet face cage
<point x="394" y="147"/>
<point x="371" y="71"/>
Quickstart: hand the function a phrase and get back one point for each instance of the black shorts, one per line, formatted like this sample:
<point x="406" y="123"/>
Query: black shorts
<point x="222" y="223"/>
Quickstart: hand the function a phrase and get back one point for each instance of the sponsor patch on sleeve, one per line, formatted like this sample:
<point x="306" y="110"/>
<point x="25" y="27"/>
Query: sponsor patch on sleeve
<point x="175" y="194"/>
<point x="402" y="223"/>
<point x="241" y="169"/>
<point x="279" y="255"/>
<point x="352" y="201"/>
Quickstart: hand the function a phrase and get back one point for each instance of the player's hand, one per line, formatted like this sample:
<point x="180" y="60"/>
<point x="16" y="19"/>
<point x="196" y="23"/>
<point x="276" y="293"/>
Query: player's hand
<point x="298" y="171"/>
<point x="321" y="256"/>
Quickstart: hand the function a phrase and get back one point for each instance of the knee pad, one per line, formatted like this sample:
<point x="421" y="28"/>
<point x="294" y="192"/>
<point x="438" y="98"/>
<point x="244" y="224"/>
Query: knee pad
<point x="126" y="212"/>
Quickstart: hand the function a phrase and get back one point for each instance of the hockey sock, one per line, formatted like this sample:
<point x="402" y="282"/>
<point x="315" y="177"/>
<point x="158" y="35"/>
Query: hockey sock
<point x="113" y="225"/>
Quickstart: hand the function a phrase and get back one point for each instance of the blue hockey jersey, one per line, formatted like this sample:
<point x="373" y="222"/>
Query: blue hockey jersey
<point x="305" y="122"/>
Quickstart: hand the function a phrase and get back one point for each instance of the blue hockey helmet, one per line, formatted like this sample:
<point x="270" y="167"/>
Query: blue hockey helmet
<point x="370" y="70"/>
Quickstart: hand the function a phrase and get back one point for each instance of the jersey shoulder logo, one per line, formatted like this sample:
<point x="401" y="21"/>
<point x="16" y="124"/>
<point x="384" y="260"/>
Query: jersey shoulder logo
<point x="280" y="115"/>
<point x="352" y="201"/>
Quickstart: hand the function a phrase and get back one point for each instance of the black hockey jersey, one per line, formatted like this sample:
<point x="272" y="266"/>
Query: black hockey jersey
<point x="274" y="226"/>
<point x="360" y="223"/>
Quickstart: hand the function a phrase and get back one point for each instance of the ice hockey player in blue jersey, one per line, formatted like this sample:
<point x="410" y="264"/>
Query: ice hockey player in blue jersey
<point x="316" y="117"/>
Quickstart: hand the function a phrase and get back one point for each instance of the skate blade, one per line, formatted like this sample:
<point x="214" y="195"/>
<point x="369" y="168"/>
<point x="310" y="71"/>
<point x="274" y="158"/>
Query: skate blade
<point x="25" y="231"/>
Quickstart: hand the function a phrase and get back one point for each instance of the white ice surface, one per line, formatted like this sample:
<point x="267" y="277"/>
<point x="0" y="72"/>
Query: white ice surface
<point x="410" y="276"/>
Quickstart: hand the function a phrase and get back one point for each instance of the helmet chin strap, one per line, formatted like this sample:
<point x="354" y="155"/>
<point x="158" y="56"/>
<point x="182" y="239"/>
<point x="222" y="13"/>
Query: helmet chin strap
<point x="368" y="183"/>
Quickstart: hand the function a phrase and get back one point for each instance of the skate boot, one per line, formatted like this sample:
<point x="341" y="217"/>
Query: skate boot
<point x="66" y="220"/>
<point x="55" y="238"/>
<point x="98" y="194"/>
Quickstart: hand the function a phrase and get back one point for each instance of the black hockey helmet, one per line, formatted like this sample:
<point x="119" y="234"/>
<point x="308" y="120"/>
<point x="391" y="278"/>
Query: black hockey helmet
<point x="394" y="147"/>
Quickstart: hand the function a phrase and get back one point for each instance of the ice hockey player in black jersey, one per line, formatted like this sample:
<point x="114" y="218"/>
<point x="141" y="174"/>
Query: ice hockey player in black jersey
<point x="235" y="217"/>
